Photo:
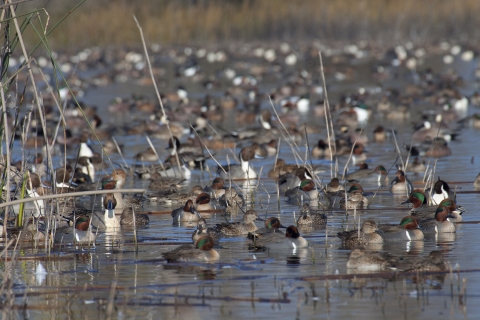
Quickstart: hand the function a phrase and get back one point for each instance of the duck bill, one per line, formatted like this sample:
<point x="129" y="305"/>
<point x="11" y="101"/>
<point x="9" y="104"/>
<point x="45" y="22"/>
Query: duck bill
<point x="193" y="210"/>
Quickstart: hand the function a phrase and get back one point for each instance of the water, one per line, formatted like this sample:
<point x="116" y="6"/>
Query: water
<point x="112" y="280"/>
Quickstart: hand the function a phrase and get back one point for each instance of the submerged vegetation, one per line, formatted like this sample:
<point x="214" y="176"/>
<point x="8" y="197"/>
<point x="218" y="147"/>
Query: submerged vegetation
<point x="110" y="22"/>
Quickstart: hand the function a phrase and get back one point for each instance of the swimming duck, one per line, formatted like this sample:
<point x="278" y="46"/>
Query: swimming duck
<point x="278" y="241"/>
<point x="334" y="186"/>
<point x="188" y="153"/>
<point x="187" y="213"/>
<point x="379" y="134"/>
<point x="86" y="166"/>
<point x="119" y="177"/>
<point x="355" y="198"/>
<point x="293" y="179"/>
<point x="160" y="183"/>
<point x="109" y="203"/>
<point x="476" y="184"/>
<point x="217" y="189"/>
<point x="319" y="150"/>
<point x="416" y="166"/>
<point x="202" y="252"/>
<point x="82" y="233"/>
<point x="428" y="212"/>
<point x="311" y="217"/>
<point x="173" y="170"/>
<point x="367" y="235"/>
<point x="85" y="149"/>
<point x="434" y="262"/>
<point x="272" y="224"/>
<point x="128" y="218"/>
<point x="407" y="230"/>
<point x="358" y="155"/>
<point x="379" y="174"/>
<point x="305" y="192"/>
<point x="148" y="155"/>
<point x="240" y="228"/>
<point x="440" y="223"/>
<point x="240" y="171"/>
<point x="401" y="184"/>
<point x="204" y="230"/>
<point x="361" y="260"/>
<point x="441" y="191"/>
<point x="231" y="198"/>
<point x="202" y="202"/>
<point x="174" y="197"/>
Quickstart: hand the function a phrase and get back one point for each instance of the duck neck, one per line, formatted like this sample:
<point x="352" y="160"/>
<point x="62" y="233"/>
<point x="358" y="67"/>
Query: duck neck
<point x="250" y="173"/>
<point x="111" y="220"/>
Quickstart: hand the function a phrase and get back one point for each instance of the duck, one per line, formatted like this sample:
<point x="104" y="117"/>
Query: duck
<point x="82" y="233"/>
<point x="354" y="199"/>
<point x="202" y="202"/>
<point x="441" y="191"/>
<point x="189" y="153"/>
<point x="379" y="134"/>
<point x="217" y="189"/>
<point x="358" y="155"/>
<point x="239" y="228"/>
<point x="434" y="262"/>
<point x="129" y="218"/>
<point x="401" y="184"/>
<point x="239" y="171"/>
<point x="293" y="179"/>
<point x="176" y="197"/>
<point x="63" y="179"/>
<point x="318" y="150"/>
<point x="187" y="213"/>
<point x="416" y="166"/>
<point x="148" y="155"/>
<point x="231" y="199"/>
<point x="368" y="235"/>
<point x="175" y="169"/>
<point x="305" y="192"/>
<point x="109" y="204"/>
<point x="160" y="183"/>
<point x="271" y="147"/>
<point x="204" y="230"/>
<point x="418" y="199"/>
<point x="440" y="223"/>
<point x="407" y="230"/>
<point x="86" y="166"/>
<point x="428" y="132"/>
<point x="438" y="149"/>
<point x="85" y="149"/>
<point x="119" y="178"/>
<point x="272" y="224"/>
<point x="310" y="217"/>
<point x="476" y="183"/>
<point x="30" y="232"/>
<point x="379" y="174"/>
<point x="278" y="241"/>
<point x="35" y="208"/>
<point x="202" y="251"/>
<point x="359" y="259"/>
<point x="334" y="186"/>
<point x="428" y="212"/>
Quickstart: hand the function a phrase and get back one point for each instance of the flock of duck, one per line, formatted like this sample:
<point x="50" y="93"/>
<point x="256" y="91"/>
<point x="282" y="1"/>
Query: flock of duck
<point x="433" y="211"/>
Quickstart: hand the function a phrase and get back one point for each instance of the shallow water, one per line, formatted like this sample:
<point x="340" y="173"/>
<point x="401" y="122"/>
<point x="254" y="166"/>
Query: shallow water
<point x="113" y="280"/>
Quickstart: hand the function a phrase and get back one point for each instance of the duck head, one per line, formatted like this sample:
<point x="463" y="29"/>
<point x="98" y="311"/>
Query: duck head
<point x="409" y="223"/>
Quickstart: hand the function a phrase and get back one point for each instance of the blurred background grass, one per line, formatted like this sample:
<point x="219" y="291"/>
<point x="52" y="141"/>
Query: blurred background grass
<point x="110" y="22"/>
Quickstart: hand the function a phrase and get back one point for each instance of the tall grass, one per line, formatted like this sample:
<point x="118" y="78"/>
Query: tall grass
<point x="109" y="22"/>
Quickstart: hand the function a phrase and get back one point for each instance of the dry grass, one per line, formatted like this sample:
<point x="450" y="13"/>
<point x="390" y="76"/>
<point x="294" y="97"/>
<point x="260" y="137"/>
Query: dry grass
<point x="110" y="22"/>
